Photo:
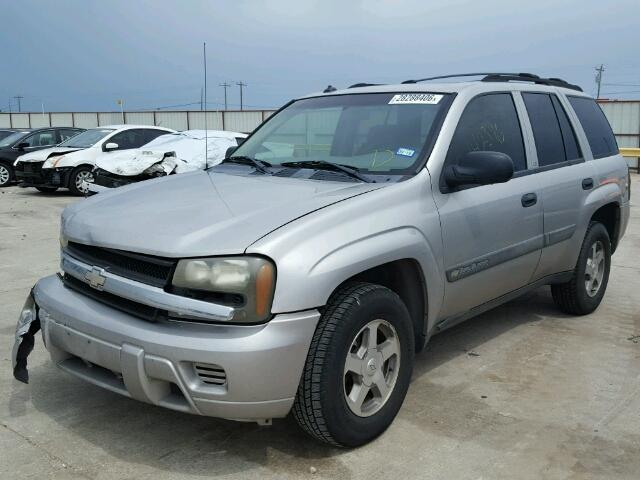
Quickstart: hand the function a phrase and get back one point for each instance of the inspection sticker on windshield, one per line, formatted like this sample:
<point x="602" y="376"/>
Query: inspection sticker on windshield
<point x="415" y="98"/>
<point x="406" y="152"/>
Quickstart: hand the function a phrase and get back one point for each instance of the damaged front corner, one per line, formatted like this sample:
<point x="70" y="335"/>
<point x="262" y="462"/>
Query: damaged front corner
<point x="28" y="325"/>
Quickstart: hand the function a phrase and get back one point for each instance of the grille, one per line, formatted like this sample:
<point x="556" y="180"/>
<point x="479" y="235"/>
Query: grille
<point x="210" y="374"/>
<point x="145" y="312"/>
<point x="31" y="167"/>
<point x="147" y="269"/>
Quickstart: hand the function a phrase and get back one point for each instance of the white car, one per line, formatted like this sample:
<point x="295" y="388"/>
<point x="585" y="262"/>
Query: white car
<point x="172" y="153"/>
<point x="70" y="164"/>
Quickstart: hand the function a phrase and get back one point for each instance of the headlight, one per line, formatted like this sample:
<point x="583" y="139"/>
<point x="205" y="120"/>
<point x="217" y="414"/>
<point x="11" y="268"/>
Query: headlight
<point x="246" y="283"/>
<point x="57" y="160"/>
<point x="155" y="169"/>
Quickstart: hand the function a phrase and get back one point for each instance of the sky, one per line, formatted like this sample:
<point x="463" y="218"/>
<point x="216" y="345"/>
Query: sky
<point x="83" y="55"/>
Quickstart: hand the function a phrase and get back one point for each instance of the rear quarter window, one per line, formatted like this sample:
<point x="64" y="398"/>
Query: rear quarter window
<point x="596" y="127"/>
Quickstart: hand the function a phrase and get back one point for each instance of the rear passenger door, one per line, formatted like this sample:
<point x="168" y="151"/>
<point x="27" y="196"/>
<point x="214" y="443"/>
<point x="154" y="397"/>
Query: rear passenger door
<point x="492" y="234"/>
<point x="565" y="180"/>
<point x="132" y="138"/>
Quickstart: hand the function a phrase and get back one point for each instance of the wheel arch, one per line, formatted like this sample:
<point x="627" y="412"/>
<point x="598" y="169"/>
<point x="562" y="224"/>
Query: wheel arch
<point x="609" y="216"/>
<point x="405" y="278"/>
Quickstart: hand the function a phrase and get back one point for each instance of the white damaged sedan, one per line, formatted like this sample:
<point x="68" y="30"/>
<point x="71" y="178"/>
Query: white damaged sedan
<point x="169" y="154"/>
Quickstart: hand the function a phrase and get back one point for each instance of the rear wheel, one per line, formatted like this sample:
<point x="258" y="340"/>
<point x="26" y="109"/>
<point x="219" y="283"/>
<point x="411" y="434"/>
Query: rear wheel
<point x="6" y="175"/>
<point x="358" y="367"/>
<point x="79" y="179"/>
<point x="583" y="293"/>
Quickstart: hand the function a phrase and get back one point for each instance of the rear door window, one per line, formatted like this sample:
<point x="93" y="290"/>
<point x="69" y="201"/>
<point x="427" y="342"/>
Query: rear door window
<point x="596" y="127"/>
<point x="133" y="138"/>
<point x="152" y="133"/>
<point x="45" y="138"/>
<point x="489" y="123"/>
<point x="67" y="133"/>
<point x="553" y="135"/>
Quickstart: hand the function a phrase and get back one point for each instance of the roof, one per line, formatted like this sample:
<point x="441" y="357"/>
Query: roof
<point x="116" y="127"/>
<point x="490" y="83"/>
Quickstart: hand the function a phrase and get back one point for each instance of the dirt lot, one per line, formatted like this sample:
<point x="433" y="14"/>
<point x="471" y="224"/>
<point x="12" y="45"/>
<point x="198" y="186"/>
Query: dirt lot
<point x="520" y="392"/>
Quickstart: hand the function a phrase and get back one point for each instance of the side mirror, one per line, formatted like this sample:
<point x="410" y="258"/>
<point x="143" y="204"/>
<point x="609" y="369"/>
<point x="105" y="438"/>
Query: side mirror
<point x="22" y="145"/>
<point x="479" y="168"/>
<point x="110" y="146"/>
<point x="229" y="152"/>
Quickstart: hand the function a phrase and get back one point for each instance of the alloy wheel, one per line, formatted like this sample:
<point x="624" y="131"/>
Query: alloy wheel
<point x="371" y="368"/>
<point x="595" y="268"/>
<point x="5" y="175"/>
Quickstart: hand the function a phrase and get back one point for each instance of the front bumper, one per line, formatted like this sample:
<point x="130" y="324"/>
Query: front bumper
<point x="107" y="179"/>
<point x="163" y="363"/>
<point x="31" y="174"/>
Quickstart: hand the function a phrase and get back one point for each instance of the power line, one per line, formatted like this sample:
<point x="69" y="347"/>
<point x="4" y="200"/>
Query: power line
<point x="241" y="84"/>
<point x="225" y="85"/>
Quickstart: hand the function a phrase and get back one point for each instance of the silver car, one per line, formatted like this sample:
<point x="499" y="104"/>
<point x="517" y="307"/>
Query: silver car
<point x="304" y="272"/>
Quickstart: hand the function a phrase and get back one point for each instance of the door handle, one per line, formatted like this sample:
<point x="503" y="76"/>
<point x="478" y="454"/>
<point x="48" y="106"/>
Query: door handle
<point x="529" y="200"/>
<point x="587" y="184"/>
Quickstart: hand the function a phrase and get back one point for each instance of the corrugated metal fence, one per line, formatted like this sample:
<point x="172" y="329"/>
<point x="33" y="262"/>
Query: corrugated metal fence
<point x="624" y="117"/>
<point x="232" y="120"/>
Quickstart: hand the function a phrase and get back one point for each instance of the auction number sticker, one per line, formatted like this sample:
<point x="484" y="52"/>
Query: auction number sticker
<point x="415" y="98"/>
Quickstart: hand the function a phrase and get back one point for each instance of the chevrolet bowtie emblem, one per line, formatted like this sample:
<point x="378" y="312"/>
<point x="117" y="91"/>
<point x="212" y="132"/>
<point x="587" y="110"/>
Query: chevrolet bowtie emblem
<point x="95" y="278"/>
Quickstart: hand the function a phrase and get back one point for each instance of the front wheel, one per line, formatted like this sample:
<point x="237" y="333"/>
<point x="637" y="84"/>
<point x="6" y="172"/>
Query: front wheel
<point x="583" y="293"/>
<point x="79" y="179"/>
<point x="358" y="367"/>
<point x="6" y="175"/>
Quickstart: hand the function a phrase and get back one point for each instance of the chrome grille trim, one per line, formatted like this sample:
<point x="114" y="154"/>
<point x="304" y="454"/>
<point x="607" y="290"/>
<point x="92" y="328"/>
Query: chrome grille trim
<point x="147" y="294"/>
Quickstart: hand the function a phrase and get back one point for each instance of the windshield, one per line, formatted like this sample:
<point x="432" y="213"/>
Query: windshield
<point x="87" y="139"/>
<point x="11" y="139"/>
<point x="379" y="133"/>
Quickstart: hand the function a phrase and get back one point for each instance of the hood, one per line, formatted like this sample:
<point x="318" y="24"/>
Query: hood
<point x="42" y="155"/>
<point x="188" y="147"/>
<point x="199" y="213"/>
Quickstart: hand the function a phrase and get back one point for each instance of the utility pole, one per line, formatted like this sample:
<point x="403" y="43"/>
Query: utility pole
<point x="240" y="84"/>
<point x="120" y="102"/>
<point x="225" y="85"/>
<point x="201" y="100"/>
<point x="599" y="71"/>
<point x="18" y="98"/>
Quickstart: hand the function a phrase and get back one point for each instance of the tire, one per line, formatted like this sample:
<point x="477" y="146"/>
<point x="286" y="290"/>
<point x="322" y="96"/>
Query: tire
<point x="6" y="175"/>
<point x="575" y="296"/>
<point x="47" y="189"/>
<point x="76" y="176"/>
<point x="321" y="407"/>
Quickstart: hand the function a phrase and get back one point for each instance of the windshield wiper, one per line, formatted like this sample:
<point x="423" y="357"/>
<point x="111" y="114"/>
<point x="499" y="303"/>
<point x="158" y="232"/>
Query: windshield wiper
<point x="324" y="165"/>
<point x="259" y="165"/>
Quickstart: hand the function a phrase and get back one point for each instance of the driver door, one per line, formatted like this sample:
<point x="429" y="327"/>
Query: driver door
<point x="492" y="234"/>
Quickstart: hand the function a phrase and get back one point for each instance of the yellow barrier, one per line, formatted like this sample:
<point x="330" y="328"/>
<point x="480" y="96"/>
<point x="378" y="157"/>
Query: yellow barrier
<point x="630" y="152"/>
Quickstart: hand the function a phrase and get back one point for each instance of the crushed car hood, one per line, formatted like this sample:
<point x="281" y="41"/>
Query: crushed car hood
<point x="199" y="213"/>
<point x="188" y="147"/>
<point x="42" y="155"/>
<point x="131" y="163"/>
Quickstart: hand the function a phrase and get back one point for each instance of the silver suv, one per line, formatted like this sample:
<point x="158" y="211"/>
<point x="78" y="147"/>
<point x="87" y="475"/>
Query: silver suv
<point x="304" y="272"/>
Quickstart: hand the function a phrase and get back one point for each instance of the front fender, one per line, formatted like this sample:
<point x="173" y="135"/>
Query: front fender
<point x="317" y="253"/>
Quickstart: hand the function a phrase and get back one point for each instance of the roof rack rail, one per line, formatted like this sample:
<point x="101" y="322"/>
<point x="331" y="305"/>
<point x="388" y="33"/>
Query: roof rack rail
<point x="364" y="84"/>
<point x="506" y="77"/>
